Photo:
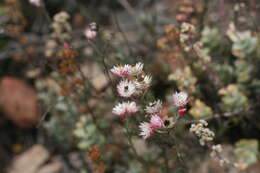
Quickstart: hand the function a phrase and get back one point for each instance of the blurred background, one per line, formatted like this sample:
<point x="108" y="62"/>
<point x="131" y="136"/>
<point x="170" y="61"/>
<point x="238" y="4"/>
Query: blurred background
<point x="47" y="59"/>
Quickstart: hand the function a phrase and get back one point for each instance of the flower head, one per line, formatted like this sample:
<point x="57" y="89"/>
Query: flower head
<point x="137" y="69"/>
<point x="121" y="71"/>
<point x="126" y="88"/>
<point x="180" y="99"/>
<point x="154" y="107"/>
<point x="36" y="2"/>
<point x="143" y="83"/>
<point x="146" y="130"/>
<point x="156" y="122"/>
<point x="119" y="109"/>
<point x="131" y="107"/>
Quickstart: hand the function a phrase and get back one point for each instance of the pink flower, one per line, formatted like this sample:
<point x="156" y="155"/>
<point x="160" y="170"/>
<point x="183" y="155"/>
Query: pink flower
<point x="146" y="130"/>
<point x="36" y="2"/>
<point x="131" y="107"/>
<point x="121" y="71"/>
<point x="156" y="122"/>
<point x="126" y="88"/>
<point x="180" y="99"/>
<point x="66" y="46"/>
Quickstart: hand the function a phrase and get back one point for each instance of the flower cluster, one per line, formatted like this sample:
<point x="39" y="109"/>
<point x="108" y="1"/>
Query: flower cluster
<point x="61" y="29"/>
<point x="61" y="26"/>
<point x="216" y="154"/>
<point x="158" y="121"/>
<point x="16" y="22"/>
<point x="204" y="134"/>
<point x="134" y="82"/>
<point x="186" y="35"/>
<point x="215" y="150"/>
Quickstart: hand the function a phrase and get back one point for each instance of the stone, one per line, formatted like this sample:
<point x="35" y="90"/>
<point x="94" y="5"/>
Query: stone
<point x="29" y="161"/>
<point x="18" y="102"/>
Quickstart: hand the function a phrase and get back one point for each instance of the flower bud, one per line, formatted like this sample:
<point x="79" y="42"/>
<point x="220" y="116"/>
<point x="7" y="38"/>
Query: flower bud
<point x="182" y="111"/>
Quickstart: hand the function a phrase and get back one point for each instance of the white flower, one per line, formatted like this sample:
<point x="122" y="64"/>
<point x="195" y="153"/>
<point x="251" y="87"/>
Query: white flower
<point x="154" y="107"/>
<point x="216" y="150"/>
<point x="180" y="99"/>
<point x="126" y="88"/>
<point x="146" y="130"/>
<point x="36" y="2"/>
<point x="131" y="107"/>
<point x="121" y="71"/>
<point x="204" y="134"/>
<point x="156" y="122"/>
<point x="144" y="83"/>
<point x="147" y="81"/>
<point x="119" y="109"/>
<point x="137" y="69"/>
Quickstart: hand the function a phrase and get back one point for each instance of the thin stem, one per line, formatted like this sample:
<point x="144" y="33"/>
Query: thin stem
<point x="130" y="142"/>
<point x="85" y="78"/>
<point x="103" y="57"/>
<point x="122" y="32"/>
<point x="178" y="154"/>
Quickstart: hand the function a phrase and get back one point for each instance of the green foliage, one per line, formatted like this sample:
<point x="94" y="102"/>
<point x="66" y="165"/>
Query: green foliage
<point x="233" y="99"/>
<point x="200" y="110"/>
<point x="225" y="72"/>
<point x="210" y="37"/>
<point x="184" y="78"/>
<point x="246" y="151"/>
<point x="243" y="70"/>
<point x="87" y="133"/>
<point x="244" y="44"/>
